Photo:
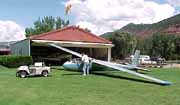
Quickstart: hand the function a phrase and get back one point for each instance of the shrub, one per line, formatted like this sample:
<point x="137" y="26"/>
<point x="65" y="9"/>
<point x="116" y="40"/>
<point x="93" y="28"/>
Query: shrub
<point x="12" y="61"/>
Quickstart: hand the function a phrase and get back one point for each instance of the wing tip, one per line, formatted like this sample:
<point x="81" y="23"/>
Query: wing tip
<point x="166" y="83"/>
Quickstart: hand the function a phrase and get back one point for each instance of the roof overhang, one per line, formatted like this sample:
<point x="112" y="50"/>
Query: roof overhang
<point x="76" y="44"/>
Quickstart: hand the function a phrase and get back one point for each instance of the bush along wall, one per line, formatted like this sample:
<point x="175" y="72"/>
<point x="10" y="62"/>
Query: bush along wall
<point x="13" y="61"/>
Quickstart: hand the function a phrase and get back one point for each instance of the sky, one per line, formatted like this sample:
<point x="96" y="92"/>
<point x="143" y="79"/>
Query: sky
<point x="100" y="16"/>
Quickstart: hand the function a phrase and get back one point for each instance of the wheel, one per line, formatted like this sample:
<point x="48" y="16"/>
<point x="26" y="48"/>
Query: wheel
<point x="22" y="74"/>
<point x="45" y="73"/>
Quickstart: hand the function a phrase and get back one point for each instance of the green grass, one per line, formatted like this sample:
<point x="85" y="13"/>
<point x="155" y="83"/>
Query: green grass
<point x="105" y="88"/>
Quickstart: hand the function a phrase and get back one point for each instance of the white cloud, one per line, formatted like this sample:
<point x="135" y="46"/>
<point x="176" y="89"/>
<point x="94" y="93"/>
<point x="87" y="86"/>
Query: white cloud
<point x="174" y="2"/>
<point x="101" y="16"/>
<point x="11" y="31"/>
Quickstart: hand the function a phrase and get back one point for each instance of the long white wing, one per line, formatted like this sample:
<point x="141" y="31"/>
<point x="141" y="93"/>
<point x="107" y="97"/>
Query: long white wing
<point x="66" y="50"/>
<point x="107" y="64"/>
<point x="111" y="65"/>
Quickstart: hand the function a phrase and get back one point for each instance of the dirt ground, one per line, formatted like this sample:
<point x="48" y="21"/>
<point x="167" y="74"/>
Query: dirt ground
<point x="173" y="65"/>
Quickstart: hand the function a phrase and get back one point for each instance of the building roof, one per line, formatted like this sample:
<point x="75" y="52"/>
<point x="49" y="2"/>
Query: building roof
<point x="71" y="34"/>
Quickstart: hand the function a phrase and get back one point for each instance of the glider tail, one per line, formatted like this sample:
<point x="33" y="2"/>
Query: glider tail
<point x="135" y="60"/>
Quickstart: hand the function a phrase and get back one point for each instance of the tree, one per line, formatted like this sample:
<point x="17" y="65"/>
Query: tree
<point x="177" y="47"/>
<point x="159" y="44"/>
<point x="125" y="44"/>
<point x="48" y="23"/>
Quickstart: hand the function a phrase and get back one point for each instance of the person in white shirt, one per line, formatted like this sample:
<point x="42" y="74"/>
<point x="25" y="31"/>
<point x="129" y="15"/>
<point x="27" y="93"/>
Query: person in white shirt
<point x="86" y="64"/>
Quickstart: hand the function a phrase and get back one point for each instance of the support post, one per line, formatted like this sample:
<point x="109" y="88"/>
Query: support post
<point x="29" y="47"/>
<point x="109" y="54"/>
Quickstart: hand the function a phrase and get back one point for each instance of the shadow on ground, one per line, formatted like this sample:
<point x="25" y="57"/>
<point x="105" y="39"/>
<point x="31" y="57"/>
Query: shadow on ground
<point x="124" y="78"/>
<point x="103" y="73"/>
<point x="71" y="74"/>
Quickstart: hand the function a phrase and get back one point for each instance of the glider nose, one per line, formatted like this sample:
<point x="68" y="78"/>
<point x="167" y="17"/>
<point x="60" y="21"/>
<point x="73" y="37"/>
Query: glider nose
<point x="66" y="65"/>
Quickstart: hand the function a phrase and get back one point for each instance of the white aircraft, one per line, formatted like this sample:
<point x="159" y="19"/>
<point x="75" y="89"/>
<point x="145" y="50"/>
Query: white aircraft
<point x="75" y="64"/>
<point x="120" y="67"/>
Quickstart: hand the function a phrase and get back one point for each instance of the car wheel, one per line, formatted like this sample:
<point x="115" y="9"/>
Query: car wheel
<point x="22" y="74"/>
<point x="45" y="73"/>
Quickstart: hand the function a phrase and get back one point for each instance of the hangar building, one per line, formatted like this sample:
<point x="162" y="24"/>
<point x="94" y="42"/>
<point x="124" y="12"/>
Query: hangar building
<point x="71" y="37"/>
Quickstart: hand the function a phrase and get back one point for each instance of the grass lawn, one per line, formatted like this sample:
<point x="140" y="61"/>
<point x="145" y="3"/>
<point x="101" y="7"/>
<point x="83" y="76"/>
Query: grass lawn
<point x="103" y="88"/>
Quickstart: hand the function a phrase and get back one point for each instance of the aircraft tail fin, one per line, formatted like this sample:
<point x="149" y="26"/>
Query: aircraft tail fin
<point x="135" y="60"/>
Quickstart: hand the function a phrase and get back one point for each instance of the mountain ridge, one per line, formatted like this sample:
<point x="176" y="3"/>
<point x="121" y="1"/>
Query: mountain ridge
<point x="169" y="26"/>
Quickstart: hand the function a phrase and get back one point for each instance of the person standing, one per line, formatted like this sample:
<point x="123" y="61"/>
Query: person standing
<point x="85" y="61"/>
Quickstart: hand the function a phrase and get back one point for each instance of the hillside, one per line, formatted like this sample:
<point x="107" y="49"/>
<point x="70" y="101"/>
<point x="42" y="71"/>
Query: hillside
<point x="170" y="26"/>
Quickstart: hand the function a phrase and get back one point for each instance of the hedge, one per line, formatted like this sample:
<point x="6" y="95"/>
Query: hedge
<point x="13" y="61"/>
